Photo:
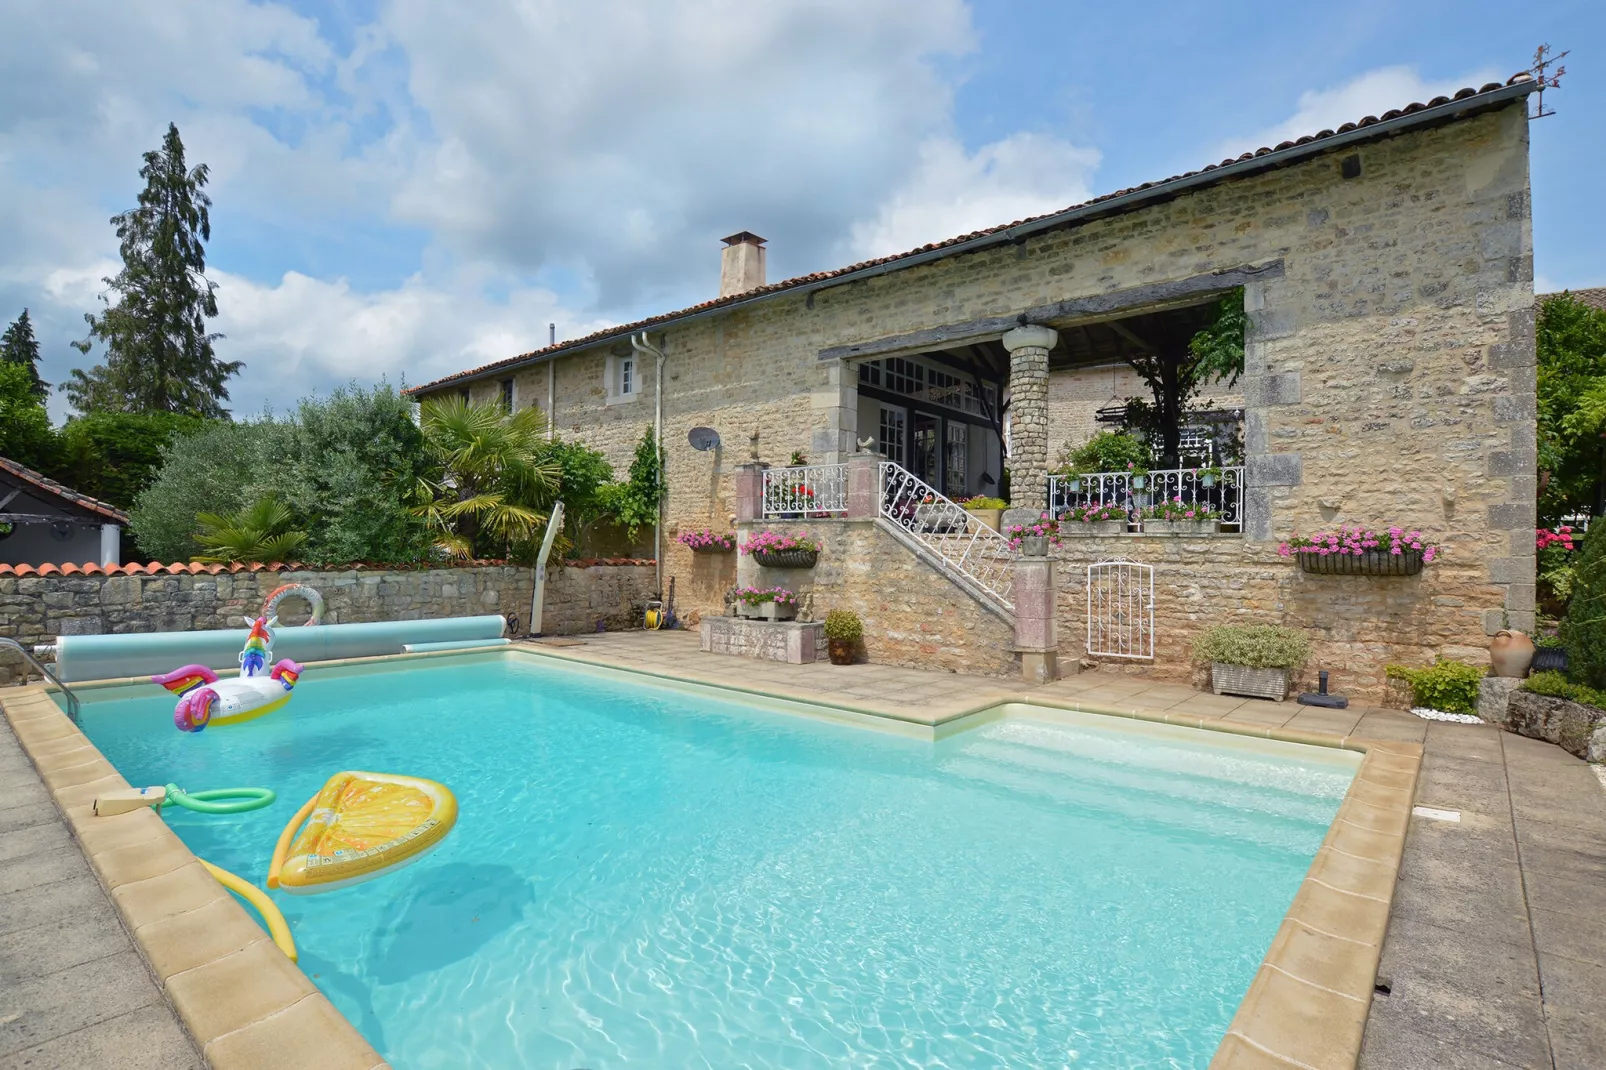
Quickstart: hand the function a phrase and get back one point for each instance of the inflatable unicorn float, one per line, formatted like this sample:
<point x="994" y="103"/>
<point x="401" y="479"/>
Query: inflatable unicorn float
<point x="205" y="698"/>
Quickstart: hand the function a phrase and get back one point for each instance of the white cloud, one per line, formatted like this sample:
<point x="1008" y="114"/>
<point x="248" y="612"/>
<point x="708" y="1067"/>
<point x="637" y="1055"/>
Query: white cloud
<point x="951" y="192"/>
<point x="1371" y="93"/>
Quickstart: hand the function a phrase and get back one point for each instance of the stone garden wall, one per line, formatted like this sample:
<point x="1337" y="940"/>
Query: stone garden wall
<point x="1356" y="624"/>
<point x="38" y="604"/>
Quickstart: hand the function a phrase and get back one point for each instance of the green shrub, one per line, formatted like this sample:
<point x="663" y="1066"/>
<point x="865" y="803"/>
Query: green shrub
<point x="1254" y="646"/>
<point x="220" y="469"/>
<point x="25" y="432"/>
<point x="1450" y="686"/>
<point x="115" y="455"/>
<point x="1584" y="630"/>
<point x="981" y="501"/>
<point x="1107" y="451"/>
<point x="843" y="624"/>
<point x="1555" y="685"/>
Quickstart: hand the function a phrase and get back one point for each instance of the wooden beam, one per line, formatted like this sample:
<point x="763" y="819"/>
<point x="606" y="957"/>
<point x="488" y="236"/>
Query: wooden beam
<point x="1126" y="332"/>
<point x="1095" y="308"/>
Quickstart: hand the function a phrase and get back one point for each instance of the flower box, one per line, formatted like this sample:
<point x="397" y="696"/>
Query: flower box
<point x="786" y="558"/>
<point x="993" y="518"/>
<point x="1368" y="563"/>
<point x="1093" y="527"/>
<point x="1254" y="683"/>
<point x="1179" y="527"/>
<point x="713" y="549"/>
<point x="767" y="611"/>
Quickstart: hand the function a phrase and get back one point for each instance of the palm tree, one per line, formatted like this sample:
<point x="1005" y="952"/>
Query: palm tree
<point x="490" y="481"/>
<point x="255" y="534"/>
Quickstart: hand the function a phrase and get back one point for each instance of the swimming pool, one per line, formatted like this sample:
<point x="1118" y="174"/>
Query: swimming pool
<point x="645" y="876"/>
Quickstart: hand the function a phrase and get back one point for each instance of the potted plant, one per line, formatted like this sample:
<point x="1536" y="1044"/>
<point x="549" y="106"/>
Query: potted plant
<point x="1251" y="659"/>
<point x="1176" y="517"/>
<point x="989" y="511"/>
<point x="1047" y="530"/>
<point x="766" y="603"/>
<point x="1358" y="551"/>
<point x="843" y="630"/>
<point x="775" y="549"/>
<point x="708" y="542"/>
<point x="1207" y="477"/>
<point x="1137" y="475"/>
<point x="1093" y="520"/>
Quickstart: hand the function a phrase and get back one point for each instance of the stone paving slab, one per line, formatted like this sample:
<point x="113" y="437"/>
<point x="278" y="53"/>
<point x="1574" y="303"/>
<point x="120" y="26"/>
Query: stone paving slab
<point x="75" y="994"/>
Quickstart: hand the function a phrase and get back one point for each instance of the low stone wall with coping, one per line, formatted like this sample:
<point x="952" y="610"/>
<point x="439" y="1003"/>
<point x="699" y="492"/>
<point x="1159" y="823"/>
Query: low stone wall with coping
<point x="1356" y="624"/>
<point x="38" y="604"/>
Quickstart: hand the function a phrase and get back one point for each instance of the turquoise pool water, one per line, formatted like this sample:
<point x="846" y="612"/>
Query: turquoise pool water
<point x="645" y="877"/>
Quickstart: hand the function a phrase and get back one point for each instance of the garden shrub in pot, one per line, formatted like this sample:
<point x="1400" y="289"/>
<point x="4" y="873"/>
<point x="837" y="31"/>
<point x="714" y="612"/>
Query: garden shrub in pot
<point x="843" y="631"/>
<point x="1251" y="659"/>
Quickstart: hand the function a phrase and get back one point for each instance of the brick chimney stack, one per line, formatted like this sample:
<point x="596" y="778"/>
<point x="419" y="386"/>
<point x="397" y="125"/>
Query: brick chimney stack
<point x="741" y="266"/>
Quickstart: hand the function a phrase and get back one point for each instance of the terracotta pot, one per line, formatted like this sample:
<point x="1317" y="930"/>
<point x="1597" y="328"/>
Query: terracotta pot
<point x="841" y="651"/>
<point x="1512" y="653"/>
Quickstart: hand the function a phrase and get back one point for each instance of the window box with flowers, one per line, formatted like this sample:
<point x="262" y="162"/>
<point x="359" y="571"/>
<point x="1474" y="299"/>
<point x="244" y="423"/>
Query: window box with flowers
<point x="766" y="603"/>
<point x="1358" y="551"/>
<point x="774" y="549"/>
<point x="1035" y="538"/>
<point x="1176" y="517"/>
<point x="708" y="542"/>
<point x="1093" y="520"/>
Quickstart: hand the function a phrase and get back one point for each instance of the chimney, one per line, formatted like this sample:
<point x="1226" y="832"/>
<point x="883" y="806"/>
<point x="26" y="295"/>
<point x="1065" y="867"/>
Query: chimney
<point x="741" y="266"/>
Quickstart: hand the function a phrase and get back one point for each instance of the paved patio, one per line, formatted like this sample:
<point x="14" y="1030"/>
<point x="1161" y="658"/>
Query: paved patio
<point x="1495" y="955"/>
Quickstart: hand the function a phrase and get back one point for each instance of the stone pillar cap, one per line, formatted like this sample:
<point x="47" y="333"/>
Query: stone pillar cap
<point x="1030" y="335"/>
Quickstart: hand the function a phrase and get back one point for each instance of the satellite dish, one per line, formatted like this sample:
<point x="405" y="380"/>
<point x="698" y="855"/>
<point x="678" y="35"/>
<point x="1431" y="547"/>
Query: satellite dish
<point x="703" y="439"/>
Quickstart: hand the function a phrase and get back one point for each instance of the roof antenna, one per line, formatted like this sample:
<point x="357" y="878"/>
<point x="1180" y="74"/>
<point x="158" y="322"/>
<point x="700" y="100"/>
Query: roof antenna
<point x="1542" y="62"/>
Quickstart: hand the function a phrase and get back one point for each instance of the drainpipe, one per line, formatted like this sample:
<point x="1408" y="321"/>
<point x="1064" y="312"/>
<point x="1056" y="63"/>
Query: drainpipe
<point x="640" y="344"/>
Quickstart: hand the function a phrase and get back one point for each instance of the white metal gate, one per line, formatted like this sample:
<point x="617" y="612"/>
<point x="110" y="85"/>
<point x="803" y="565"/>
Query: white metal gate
<point x="1120" y="610"/>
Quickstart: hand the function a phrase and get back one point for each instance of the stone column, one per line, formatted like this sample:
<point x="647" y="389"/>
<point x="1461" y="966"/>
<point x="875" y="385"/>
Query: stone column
<point x="750" y="492"/>
<point x="864" y="486"/>
<point x="1028" y="416"/>
<point x="837" y="403"/>
<point x="1036" y="627"/>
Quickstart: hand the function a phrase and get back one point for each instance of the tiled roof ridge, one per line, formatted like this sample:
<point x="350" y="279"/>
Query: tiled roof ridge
<point x="1593" y="296"/>
<point x="821" y="276"/>
<point x="196" y="568"/>
<point x="62" y="491"/>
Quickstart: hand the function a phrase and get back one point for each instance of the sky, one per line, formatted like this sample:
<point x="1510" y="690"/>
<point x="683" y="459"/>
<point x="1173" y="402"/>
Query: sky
<point x="406" y="188"/>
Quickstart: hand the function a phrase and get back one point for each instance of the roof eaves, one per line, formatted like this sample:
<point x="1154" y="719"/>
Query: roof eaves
<point x="42" y="482"/>
<point x="1438" y="110"/>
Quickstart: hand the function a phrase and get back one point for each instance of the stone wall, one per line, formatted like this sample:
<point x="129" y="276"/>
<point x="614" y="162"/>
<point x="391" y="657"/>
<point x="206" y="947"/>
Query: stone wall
<point x="913" y="615"/>
<point x="1389" y="363"/>
<point x="35" y="609"/>
<point x="1356" y="624"/>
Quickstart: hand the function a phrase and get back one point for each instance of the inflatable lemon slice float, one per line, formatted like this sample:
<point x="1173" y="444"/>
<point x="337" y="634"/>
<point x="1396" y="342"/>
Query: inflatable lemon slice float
<point x="360" y="826"/>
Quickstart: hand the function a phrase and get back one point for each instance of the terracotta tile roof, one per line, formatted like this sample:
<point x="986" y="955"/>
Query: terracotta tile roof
<point x="64" y="493"/>
<point x="196" y="568"/>
<point x="1460" y="103"/>
<point x="1595" y="297"/>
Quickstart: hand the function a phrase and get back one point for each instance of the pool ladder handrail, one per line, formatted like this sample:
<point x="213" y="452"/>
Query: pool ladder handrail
<point x="39" y="667"/>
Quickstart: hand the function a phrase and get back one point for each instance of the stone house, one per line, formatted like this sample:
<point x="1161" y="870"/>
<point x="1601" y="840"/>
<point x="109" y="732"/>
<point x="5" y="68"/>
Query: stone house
<point x="1386" y="271"/>
<point x="42" y="521"/>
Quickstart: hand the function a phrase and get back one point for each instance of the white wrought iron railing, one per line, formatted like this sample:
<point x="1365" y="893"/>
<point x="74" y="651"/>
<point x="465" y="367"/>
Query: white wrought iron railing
<point x="1219" y="489"/>
<point x="954" y="534"/>
<point x="806" y="491"/>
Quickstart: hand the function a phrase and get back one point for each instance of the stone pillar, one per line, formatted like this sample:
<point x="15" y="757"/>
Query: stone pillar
<point x="836" y="406"/>
<point x="750" y="492"/>
<point x="864" y="486"/>
<point x="1036" y="628"/>
<point x="1028" y="416"/>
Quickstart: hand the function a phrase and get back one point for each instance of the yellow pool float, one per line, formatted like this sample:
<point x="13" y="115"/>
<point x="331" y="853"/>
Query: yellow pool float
<point x="360" y="826"/>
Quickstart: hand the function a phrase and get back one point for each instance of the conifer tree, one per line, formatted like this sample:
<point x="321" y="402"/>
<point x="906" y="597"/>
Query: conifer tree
<point x="159" y="355"/>
<point x="19" y="346"/>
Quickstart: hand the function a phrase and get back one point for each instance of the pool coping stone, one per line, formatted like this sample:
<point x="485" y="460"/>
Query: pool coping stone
<point x="1305" y="1009"/>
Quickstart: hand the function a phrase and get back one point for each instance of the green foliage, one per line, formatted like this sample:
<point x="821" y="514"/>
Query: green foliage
<point x="1254" y="646"/>
<point x="1450" y="686"/>
<point x="634" y="504"/>
<point x="159" y="355"/>
<point x="844" y="624"/>
<point x="1571" y="341"/>
<point x="115" y="455"/>
<point x="260" y="533"/>
<point x="19" y="346"/>
<point x="1584" y="630"/>
<point x="486" y="477"/>
<point x="220" y="469"/>
<point x="1218" y="348"/>
<point x="25" y="432"/>
<point x="1555" y="685"/>
<point x="584" y="473"/>
<point x="1175" y="373"/>
<point x="981" y="501"/>
<point x="1106" y="451"/>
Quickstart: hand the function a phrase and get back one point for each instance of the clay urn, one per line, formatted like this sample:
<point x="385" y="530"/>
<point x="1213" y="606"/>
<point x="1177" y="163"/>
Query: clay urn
<point x="1511" y="653"/>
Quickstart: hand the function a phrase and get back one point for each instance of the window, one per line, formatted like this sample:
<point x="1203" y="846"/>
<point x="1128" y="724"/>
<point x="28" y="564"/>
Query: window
<point x="507" y="395"/>
<point x="463" y="393"/>
<point x="956" y="458"/>
<point x="891" y="436"/>
<point x="624" y="379"/>
<point x="932" y="384"/>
